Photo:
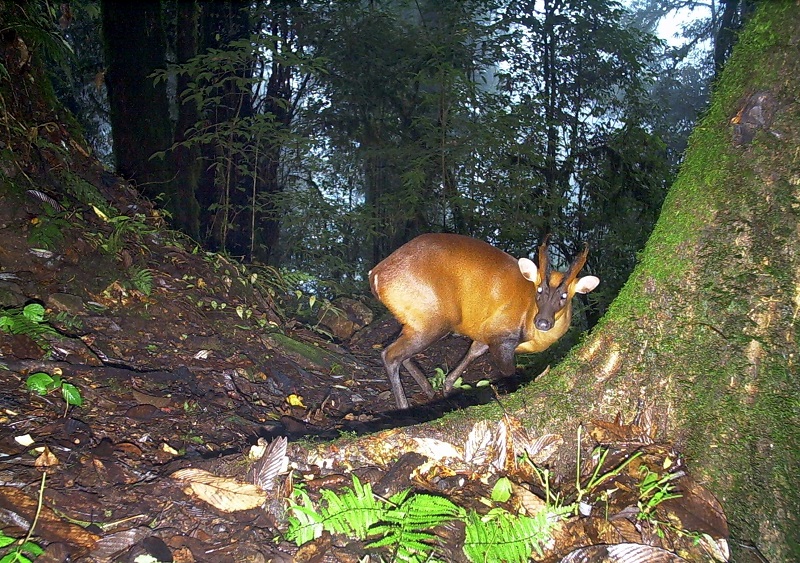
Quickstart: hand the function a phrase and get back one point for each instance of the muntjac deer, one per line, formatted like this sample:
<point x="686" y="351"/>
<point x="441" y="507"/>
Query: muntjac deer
<point x="442" y="283"/>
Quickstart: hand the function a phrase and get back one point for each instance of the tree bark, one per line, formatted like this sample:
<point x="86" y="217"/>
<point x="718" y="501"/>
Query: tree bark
<point x="135" y="46"/>
<point x="278" y="100"/>
<point x="186" y="159"/>
<point x="705" y="331"/>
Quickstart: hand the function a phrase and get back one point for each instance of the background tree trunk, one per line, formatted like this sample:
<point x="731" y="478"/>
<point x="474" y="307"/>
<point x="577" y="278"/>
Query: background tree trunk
<point x="186" y="159"/>
<point x="135" y="46"/>
<point x="278" y="101"/>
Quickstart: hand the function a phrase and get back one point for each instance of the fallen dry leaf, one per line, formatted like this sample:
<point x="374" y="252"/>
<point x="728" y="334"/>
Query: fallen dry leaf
<point x="223" y="493"/>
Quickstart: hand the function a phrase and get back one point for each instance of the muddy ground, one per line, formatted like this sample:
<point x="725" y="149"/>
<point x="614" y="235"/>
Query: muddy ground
<point x="196" y="368"/>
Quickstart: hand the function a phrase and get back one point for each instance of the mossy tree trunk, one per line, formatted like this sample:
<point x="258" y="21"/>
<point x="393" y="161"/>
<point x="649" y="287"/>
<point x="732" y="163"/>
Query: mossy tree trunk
<point x="704" y="334"/>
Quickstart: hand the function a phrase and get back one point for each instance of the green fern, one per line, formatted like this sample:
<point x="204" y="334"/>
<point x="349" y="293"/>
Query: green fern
<point x="141" y="279"/>
<point x="48" y="229"/>
<point x="405" y="522"/>
<point x="502" y="536"/>
<point x="85" y="192"/>
<point x="407" y="529"/>
<point x="29" y="321"/>
<point x="350" y="513"/>
<point x="34" y="21"/>
<point x="305" y="522"/>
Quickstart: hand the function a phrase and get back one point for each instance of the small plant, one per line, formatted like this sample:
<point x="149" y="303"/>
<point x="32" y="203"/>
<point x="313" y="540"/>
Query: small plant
<point x="26" y="550"/>
<point x="552" y="499"/>
<point x="350" y="513"/>
<point x="124" y="230"/>
<point x="407" y="529"/>
<point x="47" y="230"/>
<point x="30" y="321"/>
<point x="405" y="524"/>
<point x="597" y="478"/>
<point x="141" y="279"/>
<point x="43" y="383"/>
<point x="69" y="322"/>
<point x="503" y="536"/>
<point x="653" y="490"/>
<point x="438" y="377"/>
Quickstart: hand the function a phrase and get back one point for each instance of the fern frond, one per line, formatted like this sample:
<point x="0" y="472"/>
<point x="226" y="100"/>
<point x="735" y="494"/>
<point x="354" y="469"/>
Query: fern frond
<point x="502" y="536"/>
<point x="352" y="512"/>
<point x="30" y="321"/>
<point x="305" y="523"/>
<point x="141" y="279"/>
<point x="408" y="528"/>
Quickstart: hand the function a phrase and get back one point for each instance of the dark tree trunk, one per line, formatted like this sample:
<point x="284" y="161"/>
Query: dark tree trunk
<point x="135" y="46"/>
<point x="187" y="162"/>
<point x="222" y="194"/>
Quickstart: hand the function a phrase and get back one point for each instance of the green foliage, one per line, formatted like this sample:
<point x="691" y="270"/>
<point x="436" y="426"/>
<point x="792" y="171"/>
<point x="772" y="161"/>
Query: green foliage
<point x="351" y="513"/>
<point x="438" y="377"/>
<point x="126" y="232"/>
<point x="28" y="320"/>
<point x="70" y="322"/>
<point x="86" y="193"/>
<point x="246" y="132"/>
<point x="43" y="383"/>
<point x="597" y="478"/>
<point x="127" y="229"/>
<point x="407" y="529"/>
<point x="405" y="524"/>
<point x="35" y="22"/>
<point x="141" y="279"/>
<point x="502" y="490"/>
<point x="458" y="125"/>
<point x="653" y="490"/>
<point x="24" y="552"/>
<point x="48" y="229"/>
<point x="502" y="536"/>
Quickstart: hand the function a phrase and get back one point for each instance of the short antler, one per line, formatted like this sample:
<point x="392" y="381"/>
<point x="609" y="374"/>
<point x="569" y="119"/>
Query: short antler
<point x="576" y="266"/>
<point x="544" y="262"/>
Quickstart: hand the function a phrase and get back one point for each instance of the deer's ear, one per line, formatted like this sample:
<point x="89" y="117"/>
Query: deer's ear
<point x="586" y="284"/>
<point x="529" y="270"/>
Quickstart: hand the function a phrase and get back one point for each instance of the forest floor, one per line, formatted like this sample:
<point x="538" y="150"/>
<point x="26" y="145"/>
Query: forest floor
<point x="196" y="364"/>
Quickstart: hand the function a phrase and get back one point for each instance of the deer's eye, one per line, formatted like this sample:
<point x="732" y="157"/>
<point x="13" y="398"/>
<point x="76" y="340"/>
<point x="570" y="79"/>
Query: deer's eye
<point x="563" y="296"/>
